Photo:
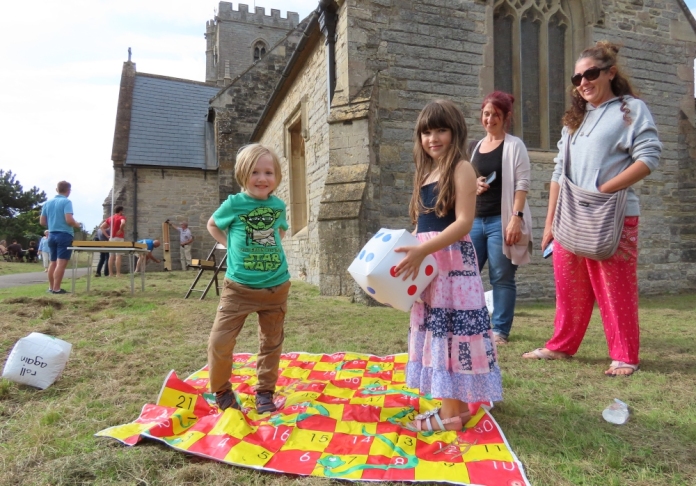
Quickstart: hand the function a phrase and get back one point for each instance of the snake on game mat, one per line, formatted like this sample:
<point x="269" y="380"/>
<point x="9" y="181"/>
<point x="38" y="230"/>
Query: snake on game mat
<point x="330" y="463"/>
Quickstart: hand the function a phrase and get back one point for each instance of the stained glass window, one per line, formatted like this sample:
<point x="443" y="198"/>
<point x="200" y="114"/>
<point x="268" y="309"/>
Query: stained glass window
<point x="557" y="32"/>
<point x="529" y="102"/>
<point x="531" y="49"/>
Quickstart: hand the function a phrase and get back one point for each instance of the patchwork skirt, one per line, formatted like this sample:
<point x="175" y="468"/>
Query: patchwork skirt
<point x="451" y="348"/>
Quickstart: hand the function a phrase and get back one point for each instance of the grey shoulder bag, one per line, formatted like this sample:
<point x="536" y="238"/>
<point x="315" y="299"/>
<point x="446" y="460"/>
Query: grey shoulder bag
<point x="587" y="223"/>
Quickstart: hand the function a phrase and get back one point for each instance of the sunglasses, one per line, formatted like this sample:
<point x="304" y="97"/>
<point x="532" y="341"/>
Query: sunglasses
<point x="590" y="75"/>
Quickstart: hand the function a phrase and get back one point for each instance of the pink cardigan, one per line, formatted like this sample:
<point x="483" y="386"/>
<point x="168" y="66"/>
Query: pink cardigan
<point x="516" y="173"/>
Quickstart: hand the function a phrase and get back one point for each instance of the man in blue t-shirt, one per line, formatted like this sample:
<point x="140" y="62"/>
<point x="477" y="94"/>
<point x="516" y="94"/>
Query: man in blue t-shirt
<point x="57" y="215"/>
<point x="144" y="257"/>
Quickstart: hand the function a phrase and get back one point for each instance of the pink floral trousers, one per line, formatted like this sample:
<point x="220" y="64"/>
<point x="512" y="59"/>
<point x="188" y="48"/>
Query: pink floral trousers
<point x="612" y="283"/>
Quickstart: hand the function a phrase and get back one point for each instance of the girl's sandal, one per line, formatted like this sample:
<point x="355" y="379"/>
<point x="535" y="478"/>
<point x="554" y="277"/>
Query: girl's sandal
<point x="547" y="354"/>
<point x="423" y="423"/>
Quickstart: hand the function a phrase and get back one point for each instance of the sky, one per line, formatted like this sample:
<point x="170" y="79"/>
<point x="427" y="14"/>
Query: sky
<point x="59" y="82"/>
<point x="61" y="68"/>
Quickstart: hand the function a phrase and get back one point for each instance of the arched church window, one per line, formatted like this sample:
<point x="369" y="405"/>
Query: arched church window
<point x="259" y="50"/>
<point x="533" y="51"/>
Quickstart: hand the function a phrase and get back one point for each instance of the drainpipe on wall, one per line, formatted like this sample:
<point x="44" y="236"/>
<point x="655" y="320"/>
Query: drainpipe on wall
<point x="327" y="23"/>
<point x="135" y="204"/>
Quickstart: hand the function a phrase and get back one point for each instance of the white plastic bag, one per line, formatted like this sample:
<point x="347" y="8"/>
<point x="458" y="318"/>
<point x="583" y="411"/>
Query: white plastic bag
<point x="616" y="413"/>
<point x="373" y="270"/>
<point x="489" y="301"/>
<point x="37" y="360"/>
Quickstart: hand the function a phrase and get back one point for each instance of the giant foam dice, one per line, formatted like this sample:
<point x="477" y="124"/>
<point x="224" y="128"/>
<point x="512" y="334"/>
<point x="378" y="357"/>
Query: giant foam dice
<point x="373" y="269"/>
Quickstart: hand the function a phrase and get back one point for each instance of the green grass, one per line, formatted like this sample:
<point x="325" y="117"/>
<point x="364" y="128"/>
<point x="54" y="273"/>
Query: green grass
<point x="11" y="268"/>
<point x="124" y="346"/>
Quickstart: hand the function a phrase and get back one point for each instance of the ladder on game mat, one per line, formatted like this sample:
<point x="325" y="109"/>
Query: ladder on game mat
<point x="216" y="262"/>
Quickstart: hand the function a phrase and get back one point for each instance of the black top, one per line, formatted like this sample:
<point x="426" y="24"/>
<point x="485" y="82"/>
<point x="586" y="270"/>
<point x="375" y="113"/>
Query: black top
<point x="488" y="203"/>
<point x="430" y="221"/>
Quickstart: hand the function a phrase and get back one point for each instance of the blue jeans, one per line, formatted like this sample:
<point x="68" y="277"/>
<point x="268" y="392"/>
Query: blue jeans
<point x="487" y="237"/>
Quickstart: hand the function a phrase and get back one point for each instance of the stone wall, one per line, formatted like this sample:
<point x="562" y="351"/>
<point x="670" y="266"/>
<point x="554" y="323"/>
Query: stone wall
<point x="232" y="35"/>
<point x="359" y="154"/>
<point x="307" y="93"/>
<point x="398" y="43"/>
<point x="177" y="195"/>
<point x="658" y="50"/>
<point x="239" y="107"/>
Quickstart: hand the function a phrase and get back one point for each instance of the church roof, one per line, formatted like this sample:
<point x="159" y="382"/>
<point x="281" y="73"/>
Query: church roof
<point x="168" y="122"/>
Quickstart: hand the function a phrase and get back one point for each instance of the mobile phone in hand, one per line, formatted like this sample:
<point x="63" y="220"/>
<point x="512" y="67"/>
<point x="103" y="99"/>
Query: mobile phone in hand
<point x="548" y="250"/>
<point x="491" y="177"/>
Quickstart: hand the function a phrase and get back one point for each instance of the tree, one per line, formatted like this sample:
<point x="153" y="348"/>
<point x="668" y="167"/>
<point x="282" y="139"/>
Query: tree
<point x="19" y="209"/>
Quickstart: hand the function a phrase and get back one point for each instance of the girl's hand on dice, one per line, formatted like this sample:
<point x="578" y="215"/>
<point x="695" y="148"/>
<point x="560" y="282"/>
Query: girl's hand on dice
<point x="410" y="265"/>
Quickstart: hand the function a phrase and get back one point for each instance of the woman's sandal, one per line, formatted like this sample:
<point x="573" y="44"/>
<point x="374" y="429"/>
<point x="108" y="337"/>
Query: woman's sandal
<point x="618" y="365"/>
<point x="424" y="419"/>
<point x="500" y="340"/>
<point x="543" y="353"/>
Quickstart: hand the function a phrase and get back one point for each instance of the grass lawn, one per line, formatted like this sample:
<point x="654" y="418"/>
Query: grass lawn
<point x="11" y="268"/>
<point x="124" y="346"/>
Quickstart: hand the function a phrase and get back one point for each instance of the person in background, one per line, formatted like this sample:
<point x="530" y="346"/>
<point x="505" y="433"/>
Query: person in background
<point x="57" y="215"/>
<point x="102" y="235"/>
<point x="43" y="250"/>
<point x="15" y="251"/>
<point x="613" y="144"/>
<point x="144" y="257"/>
<point x="115" y="227"/>
<point x="32" y="252"/>
<point x="502" y="231"/>
<point x="185" y="240"/>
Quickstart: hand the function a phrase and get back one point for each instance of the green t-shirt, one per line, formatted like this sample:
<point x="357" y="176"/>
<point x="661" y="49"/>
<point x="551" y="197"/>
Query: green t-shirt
<point x="255" y="256"/>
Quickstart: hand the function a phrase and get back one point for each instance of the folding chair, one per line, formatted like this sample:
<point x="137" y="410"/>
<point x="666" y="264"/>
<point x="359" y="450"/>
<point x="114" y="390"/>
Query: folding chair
<point x="216" y="262"/>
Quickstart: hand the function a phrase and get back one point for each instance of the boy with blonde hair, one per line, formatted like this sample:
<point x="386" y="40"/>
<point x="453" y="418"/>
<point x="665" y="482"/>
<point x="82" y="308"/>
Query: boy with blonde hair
<point x="251" y="224"/>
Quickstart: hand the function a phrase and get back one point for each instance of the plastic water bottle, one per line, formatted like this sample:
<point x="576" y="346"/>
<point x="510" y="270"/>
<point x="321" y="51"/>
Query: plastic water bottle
<point x="616" y="413"/>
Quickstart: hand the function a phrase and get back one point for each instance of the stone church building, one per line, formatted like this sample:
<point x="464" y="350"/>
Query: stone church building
<point x="337" y="95"/>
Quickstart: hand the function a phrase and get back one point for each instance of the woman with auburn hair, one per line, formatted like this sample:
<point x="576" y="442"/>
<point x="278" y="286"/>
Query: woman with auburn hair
<point x="502" y="231"/>
<point x="613" y="144"/>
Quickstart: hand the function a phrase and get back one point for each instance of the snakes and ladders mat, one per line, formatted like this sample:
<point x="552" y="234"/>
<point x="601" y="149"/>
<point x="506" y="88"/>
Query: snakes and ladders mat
<point x="342" y="415"/>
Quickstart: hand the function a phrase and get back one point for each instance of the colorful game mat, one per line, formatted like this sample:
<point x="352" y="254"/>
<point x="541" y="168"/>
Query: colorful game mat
<point x="342" y="415"/>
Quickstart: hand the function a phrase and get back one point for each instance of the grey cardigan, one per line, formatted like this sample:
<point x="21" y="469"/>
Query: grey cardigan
<point x="516" y="176"/>
<point x="604" y="146"/>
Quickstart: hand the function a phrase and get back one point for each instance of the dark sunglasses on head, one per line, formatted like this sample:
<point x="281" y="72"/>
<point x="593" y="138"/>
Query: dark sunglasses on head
<point x="590" y="75"/>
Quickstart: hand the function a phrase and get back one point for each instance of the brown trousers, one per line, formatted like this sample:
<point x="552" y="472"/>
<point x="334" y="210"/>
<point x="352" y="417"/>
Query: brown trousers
<point x="236" y="303"/>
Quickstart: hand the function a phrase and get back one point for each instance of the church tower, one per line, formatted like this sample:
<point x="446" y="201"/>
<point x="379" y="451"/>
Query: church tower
<point x="235" y="39"/>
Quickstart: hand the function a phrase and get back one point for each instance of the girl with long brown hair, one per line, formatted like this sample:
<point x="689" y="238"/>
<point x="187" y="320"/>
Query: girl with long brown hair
<point x="452" y="355"/>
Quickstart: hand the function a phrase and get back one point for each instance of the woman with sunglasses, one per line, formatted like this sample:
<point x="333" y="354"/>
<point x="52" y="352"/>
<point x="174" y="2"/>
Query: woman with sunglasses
<point x="613" y="145"/>
<point x="502" y="231"/>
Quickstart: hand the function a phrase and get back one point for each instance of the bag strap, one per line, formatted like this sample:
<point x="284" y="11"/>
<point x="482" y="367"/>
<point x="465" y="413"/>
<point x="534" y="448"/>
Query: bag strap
<point x="566" y="157"/>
